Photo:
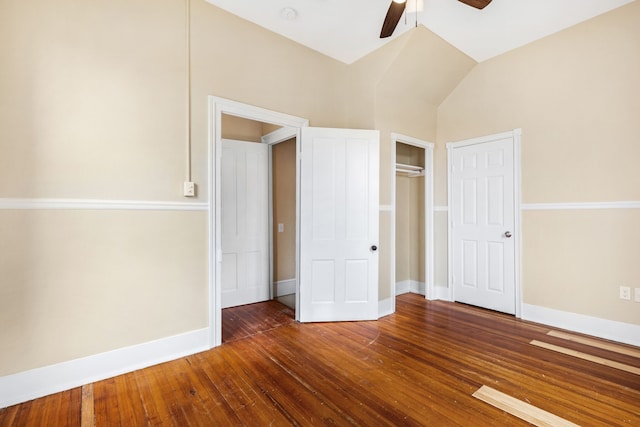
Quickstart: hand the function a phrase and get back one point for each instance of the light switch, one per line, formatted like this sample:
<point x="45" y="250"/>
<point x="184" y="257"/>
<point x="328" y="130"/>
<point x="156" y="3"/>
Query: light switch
<point x="189" y="189"/>
<point x="280" y="228"/>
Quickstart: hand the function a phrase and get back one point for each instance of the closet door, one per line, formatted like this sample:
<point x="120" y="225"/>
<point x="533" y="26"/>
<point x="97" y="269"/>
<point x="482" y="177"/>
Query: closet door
<point x="482" y="210"/>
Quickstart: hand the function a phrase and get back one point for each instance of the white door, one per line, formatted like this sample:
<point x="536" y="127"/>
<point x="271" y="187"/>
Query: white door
<point x="483" y="222"/>
<point x="339" y="178"/>
<point x="245" y="219"/>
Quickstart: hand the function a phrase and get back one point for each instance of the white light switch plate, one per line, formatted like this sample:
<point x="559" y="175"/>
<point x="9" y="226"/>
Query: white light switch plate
<point x="189" y="189"/>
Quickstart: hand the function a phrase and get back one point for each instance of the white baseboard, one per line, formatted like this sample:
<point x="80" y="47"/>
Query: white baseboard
<point x="285" y="287"/>
<point x="602" y="328"/>
<point x="28" y="385"/>
<point x="413" y="286"/>
<point x="403" y="287"/>
<point x="385" y="307"/>
<point x="441" y="293"/>
<point x="417" y="287"/>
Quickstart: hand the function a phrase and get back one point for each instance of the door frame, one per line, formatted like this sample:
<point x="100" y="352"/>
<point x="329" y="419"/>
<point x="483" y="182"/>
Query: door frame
<point x="516" y="136"/>
<point x="217" y="107"/>
<point x="429" y="259"/>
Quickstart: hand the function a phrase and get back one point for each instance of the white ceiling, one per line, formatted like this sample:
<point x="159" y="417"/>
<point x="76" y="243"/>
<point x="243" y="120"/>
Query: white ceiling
<point x="349" y="29"/>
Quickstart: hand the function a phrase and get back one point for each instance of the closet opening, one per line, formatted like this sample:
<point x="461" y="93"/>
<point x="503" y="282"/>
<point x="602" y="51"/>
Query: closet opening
<point x="412" y="207"/>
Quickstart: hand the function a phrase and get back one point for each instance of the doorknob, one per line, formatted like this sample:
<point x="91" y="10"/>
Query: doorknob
<point x="507" y="234"/>
<point x="374" y="248"/>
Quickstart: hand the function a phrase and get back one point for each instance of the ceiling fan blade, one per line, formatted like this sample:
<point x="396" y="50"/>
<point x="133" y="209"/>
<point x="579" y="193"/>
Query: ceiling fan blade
<point x="391" y="20"/>
<point x="478" y="4"/>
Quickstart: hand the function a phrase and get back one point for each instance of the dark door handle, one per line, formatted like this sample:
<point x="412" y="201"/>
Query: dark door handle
<point x="374" y="248"/>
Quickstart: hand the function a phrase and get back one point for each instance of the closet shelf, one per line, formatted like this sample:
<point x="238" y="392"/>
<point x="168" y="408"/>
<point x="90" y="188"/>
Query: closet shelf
<point x="410" y="169"/>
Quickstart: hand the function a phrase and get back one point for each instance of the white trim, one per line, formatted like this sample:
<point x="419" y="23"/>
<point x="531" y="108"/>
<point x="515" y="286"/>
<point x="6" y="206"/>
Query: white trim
<point x="410" y="286"/>
<point x="442" y="293"/>
<point x="403" y="287"/>
<point x="429" y="228"/>
<point x="386" y="307"/>
<point x="283" y="134"/>
<point x="568" y="206"/>
<point x="386" y="208"/>
<point x="286" y="287"/>
<point x="487" y="138"/>
<point x="28" y="385"/>
<point x="579" y="206"/>
<point x="218" y="107"/>
<point x="94" y="204"/>
<point x="515" y="136"/>
<point x="517" y="203"/>
<point x="270" y="220"/>
<point x="417" y="287"/>
<point x="607" y="329"/>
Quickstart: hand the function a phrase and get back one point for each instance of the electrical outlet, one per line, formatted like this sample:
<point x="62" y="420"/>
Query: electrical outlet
<point x="625" y="292"/>
<point x="636" y="297"/>
<point x="189" y="189"/>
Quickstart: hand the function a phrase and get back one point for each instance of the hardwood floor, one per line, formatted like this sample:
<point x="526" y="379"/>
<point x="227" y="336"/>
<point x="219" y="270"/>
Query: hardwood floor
<point x="420" y="366"/>
<point x="248" y="320"/>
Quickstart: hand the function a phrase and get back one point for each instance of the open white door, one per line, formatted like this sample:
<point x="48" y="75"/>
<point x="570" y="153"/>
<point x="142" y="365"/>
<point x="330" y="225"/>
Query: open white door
<point x="483" y="224"/>
<point x="339" y="179"/>
<point x="245" y="221"/>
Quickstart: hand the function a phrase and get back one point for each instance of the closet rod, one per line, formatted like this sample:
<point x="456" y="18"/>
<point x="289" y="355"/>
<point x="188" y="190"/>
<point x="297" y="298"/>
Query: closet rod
<point x="410" y="169"/>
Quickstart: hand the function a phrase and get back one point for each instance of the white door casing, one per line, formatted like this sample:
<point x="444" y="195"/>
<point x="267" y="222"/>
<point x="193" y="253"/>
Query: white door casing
<point x="245" y="219"/>
<point x="217" y="108"/>
<point x="484" y="230"/>
<point x="339" y="225"/>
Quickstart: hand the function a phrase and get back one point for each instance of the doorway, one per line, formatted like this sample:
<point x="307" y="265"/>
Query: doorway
<point x="258" y="203"/>
<point x="240" y="122"/>
<point x="484" y="221"/>
<point x="336" y="240"/>
<point x="412" y="239"/>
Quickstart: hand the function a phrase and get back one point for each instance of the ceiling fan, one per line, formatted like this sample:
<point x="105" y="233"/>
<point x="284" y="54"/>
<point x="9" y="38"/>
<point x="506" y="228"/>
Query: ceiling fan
<point x="396" y="8"/>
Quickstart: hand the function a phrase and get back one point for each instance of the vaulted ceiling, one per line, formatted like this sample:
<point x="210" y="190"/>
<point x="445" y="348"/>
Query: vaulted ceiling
<point x="347" y="30"/>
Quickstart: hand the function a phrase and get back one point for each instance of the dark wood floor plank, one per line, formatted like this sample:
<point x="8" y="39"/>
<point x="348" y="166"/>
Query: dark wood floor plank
<point x="8" y="415"/>
<point x="246" y="402"/>
<point x="153" y="395"/>
<point x="295" y="403"/>
<point x="248" y="320"/>
<point x="164" y="393"/>
<point x="130" y="406"/>
<point x="419" y="366"/>
<point x="105" y="397"/>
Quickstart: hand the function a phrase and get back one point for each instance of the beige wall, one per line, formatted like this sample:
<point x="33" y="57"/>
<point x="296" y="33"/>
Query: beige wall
<point x="403" y="232"/>
<point x="575" y="94"/>
<point x="410" y="216"/>
<point x="241" y="129"/>
<point x="284" y="210"/>
<point x="93" y="99"/>
<point x="93" y="106"/>
<point x="77" y="283"/>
